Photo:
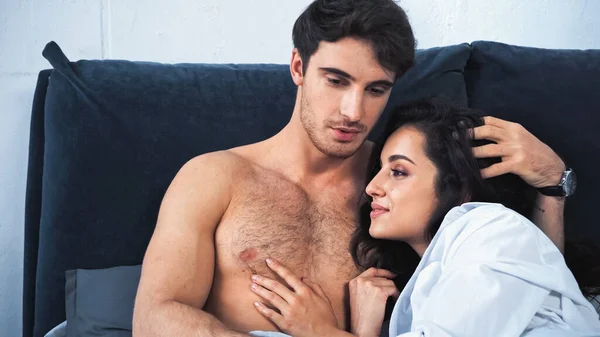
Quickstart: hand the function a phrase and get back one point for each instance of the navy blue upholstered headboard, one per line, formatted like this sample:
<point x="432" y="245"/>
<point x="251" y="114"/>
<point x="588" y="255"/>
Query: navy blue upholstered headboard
<point x="107" y="137"/>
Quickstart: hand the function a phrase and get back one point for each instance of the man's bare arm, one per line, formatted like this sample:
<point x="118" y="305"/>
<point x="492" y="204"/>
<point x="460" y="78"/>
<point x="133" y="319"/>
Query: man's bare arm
<point x="178" y="268"/>
<point x="549" y="217"/>
<point x="535" y="162"/>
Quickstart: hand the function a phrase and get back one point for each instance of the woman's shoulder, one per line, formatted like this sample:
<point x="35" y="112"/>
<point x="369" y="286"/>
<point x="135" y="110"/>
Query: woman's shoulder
<point x="475" y="215"/>
<point x="470" y="207"/>
<point x="493" y="230"/>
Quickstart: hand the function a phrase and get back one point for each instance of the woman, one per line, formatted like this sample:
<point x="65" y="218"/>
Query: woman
<point x="468" y="260"/>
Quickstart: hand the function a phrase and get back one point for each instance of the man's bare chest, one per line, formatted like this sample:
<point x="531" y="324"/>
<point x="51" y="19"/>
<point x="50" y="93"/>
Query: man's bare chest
<point x="272" y="218"/>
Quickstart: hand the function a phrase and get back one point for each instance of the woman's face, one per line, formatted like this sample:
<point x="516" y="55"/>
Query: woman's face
<point x="403" y="191"/>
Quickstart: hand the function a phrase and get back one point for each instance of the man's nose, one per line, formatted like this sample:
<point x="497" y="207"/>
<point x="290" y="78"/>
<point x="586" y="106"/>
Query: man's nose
<point x="352" y="106"/>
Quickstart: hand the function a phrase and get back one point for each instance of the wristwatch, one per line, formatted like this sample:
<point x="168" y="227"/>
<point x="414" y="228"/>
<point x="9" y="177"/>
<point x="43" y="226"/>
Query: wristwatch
<point x="566" y="187"/>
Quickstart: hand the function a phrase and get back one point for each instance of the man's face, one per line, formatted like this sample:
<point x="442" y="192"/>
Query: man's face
<point x="343" y="93"/>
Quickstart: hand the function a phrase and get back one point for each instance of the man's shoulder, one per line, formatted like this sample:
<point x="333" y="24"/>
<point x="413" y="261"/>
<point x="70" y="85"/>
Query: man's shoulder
<point x="223" y="159"/>
<point x="218" y="166"/>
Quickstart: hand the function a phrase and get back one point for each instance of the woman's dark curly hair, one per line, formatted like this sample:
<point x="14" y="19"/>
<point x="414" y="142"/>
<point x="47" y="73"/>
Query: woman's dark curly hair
<point x="449" y="145"/>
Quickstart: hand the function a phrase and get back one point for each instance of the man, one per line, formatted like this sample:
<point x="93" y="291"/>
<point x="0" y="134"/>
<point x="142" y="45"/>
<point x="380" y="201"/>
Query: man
<point x="293" y="197"/>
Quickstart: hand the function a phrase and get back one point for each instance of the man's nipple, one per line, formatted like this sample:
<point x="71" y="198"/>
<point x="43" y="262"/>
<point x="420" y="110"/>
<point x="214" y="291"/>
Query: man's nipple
<point x="248" y="254"/>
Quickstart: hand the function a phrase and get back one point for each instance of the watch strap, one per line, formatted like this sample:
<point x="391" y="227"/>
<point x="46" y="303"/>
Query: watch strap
<point x="553" y="191"/>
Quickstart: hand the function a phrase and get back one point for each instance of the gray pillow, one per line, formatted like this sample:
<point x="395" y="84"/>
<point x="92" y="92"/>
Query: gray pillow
<point x="99" y="302"/>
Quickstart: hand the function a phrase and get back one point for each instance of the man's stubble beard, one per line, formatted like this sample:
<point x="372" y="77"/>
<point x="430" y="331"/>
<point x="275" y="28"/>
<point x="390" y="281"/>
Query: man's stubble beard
<point x="332" y="149"/>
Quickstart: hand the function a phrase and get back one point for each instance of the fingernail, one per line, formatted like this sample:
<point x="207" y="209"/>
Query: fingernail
<point x="253" y="286"/>
<point x="256" y="304"/>
<point x="254" y="277"/>
<point x="269" y="261"/>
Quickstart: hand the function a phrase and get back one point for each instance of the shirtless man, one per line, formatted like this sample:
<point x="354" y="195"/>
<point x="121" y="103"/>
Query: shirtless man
<point x="294" y="197"/>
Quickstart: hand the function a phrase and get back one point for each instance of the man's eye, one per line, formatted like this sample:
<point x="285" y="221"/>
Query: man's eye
<point x="334" y="81"/>
<point x="377" y="91"/>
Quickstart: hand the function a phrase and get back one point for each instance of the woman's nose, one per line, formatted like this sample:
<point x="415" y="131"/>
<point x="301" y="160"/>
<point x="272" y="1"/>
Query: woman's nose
<point x="374" y="189"/>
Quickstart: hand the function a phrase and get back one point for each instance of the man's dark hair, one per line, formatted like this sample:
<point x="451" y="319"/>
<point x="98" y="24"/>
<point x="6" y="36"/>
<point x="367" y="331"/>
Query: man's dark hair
<point x="382" y="23"/>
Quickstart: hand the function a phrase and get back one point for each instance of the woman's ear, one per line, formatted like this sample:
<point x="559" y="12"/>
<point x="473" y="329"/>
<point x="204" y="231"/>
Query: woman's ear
<point x="296" y="68"/>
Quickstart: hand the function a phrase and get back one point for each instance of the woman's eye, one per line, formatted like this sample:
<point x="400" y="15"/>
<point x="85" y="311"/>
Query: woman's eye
<point x="397" y="173"/>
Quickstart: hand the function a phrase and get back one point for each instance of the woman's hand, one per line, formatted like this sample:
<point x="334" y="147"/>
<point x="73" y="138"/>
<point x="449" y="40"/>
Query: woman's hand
<point x="368" y="296"/>
<point x="304" y="310"/>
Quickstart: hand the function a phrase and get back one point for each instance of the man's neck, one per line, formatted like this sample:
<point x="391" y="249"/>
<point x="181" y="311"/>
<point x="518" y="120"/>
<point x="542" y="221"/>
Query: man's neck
<point x="303" y="162"/>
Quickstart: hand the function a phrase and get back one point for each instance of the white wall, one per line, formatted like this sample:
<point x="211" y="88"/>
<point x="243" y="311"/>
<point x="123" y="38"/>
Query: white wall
<point x="211" y="31"/>
<point x="565" y="24"/>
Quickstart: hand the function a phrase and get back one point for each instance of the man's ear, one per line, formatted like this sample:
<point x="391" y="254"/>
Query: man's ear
<point x="296" y="68"/>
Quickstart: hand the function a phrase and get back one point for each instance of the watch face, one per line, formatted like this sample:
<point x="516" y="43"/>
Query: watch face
<point x="570" y="184"/>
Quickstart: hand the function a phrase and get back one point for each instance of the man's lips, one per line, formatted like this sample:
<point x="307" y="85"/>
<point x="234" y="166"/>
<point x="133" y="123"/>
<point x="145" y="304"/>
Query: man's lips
<point x="345" y="134"/>
<point x="345" y="129"/>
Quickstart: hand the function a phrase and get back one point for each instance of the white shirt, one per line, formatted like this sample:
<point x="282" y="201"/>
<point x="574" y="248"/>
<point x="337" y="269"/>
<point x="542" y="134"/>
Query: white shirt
<point x="491" y="272"/>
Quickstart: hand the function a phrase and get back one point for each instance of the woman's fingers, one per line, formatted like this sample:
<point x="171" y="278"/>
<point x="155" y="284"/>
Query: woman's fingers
<point x="391" y="291"/>
<point x="376" y="285"/>
<point x="276" y="300"/>
<point x="315" y="287"/>
<point x="273" y="286"/>
<point x="271" y="314"/>
<point x="290" y="278"/>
